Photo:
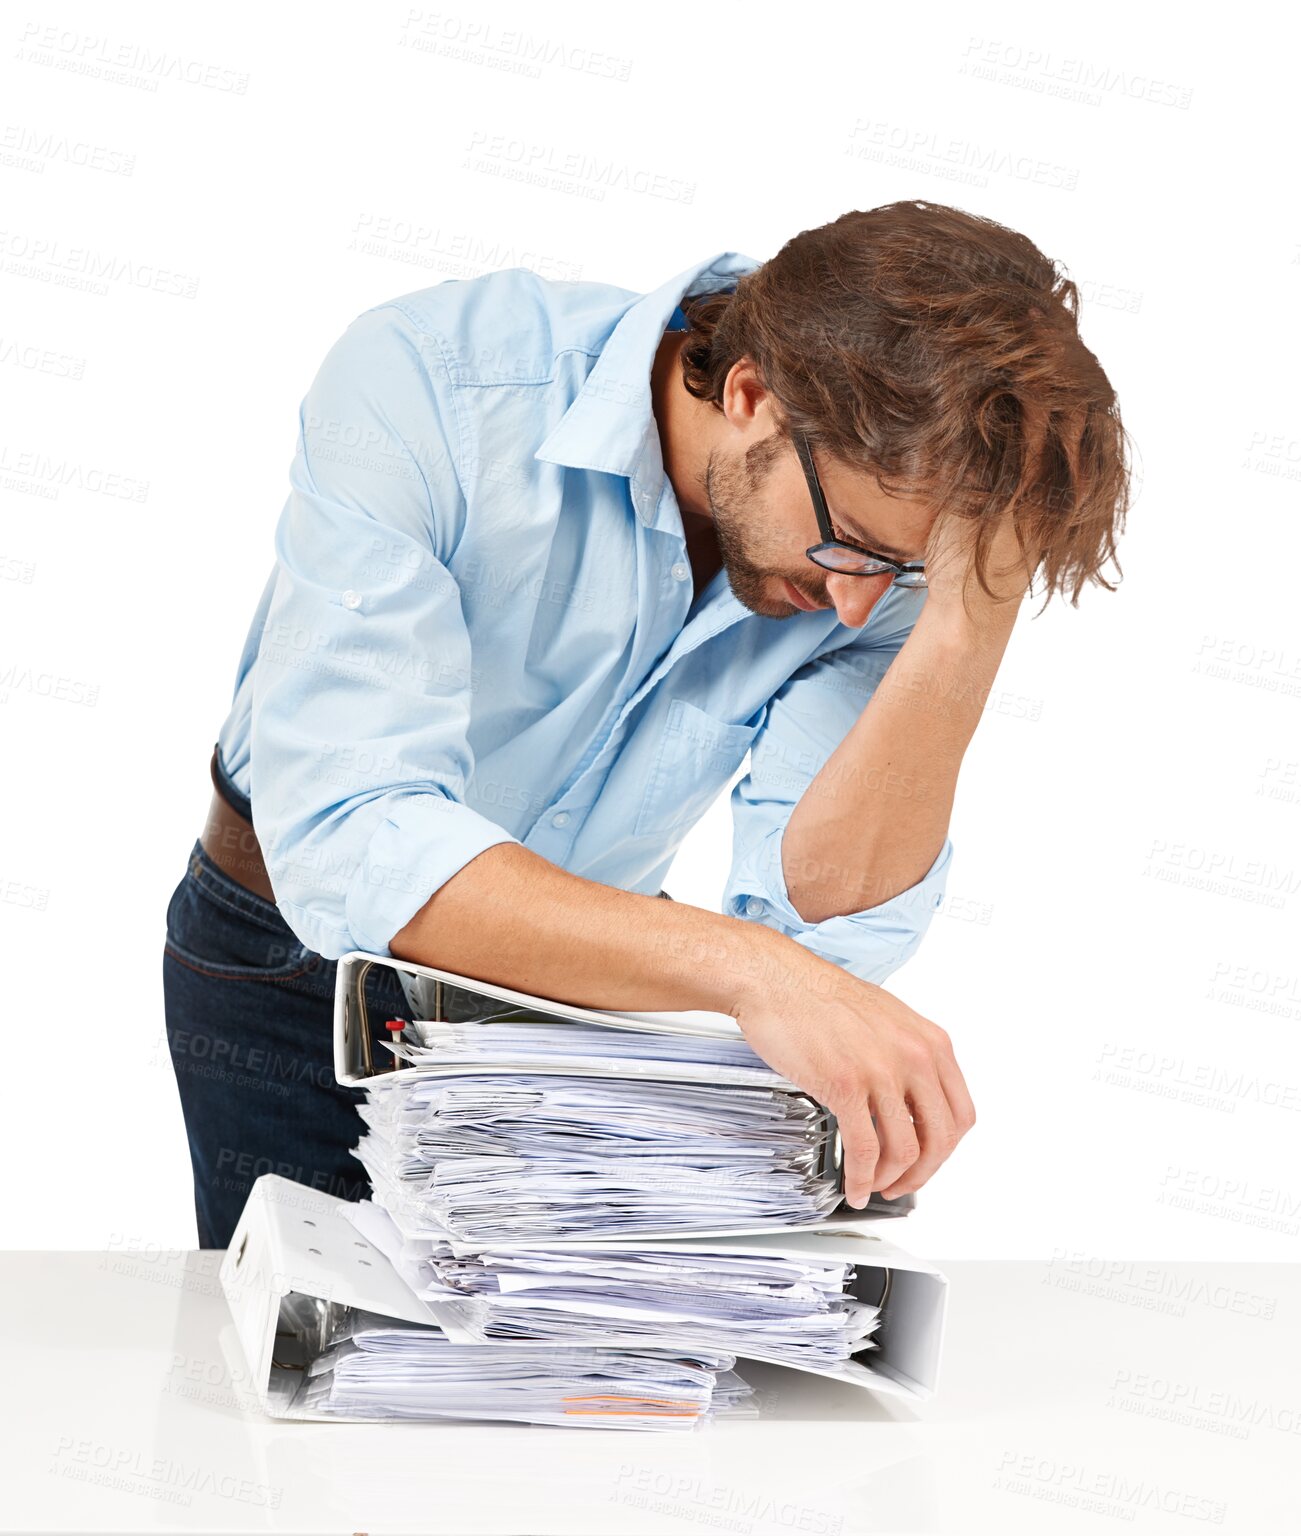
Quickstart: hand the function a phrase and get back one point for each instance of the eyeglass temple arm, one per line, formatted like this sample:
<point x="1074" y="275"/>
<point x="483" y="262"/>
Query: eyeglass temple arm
<point x="820" y="510"/>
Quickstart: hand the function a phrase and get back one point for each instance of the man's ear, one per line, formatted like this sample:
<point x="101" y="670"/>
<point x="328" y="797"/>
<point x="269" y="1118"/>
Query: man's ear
<point x="744" y="396"/>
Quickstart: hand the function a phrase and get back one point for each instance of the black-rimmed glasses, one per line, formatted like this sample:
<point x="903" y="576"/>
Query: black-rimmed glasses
<point x="835" y="554"/>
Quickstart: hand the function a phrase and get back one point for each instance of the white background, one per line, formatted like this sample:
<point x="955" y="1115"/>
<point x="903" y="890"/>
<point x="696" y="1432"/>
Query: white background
<point x="1118" y="960"/>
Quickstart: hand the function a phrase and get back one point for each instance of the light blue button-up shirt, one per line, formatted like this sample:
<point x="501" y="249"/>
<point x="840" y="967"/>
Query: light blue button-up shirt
<point x="481" y="628"/>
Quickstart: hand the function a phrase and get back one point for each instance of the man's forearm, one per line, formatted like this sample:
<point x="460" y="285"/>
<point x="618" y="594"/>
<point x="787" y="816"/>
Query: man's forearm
<point x="514" y="918"/>
<point x="875" y="816"/>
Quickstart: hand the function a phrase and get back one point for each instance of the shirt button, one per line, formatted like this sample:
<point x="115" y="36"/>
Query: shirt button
<point x="938" y="902"/>
<point x="560" y="819"/>
<point x="681" y="571"/>
<point x="351" y="599"/>
<point x="754" y="907"/>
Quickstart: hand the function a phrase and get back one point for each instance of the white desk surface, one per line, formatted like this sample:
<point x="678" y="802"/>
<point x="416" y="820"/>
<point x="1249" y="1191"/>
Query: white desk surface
<point x="1163" y="1396"/>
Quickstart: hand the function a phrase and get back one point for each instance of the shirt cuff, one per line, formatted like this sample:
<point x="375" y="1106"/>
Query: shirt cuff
<point x="871" y="944"/>
<point x="422" y="841"/>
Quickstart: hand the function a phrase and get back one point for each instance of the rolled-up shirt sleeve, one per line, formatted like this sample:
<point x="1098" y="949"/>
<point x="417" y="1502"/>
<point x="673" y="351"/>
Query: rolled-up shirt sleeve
<point x="359" y="755"/>
<point x="805" y="721"/>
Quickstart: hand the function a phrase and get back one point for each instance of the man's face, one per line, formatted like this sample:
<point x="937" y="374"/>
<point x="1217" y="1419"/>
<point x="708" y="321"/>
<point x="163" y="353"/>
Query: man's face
<point x="764" y="521"/>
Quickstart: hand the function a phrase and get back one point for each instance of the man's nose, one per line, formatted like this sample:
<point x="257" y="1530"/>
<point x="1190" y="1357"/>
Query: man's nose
<point x="854" y="597"/>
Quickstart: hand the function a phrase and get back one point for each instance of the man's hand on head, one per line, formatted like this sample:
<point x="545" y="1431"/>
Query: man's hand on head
<point x="951" y="571"/>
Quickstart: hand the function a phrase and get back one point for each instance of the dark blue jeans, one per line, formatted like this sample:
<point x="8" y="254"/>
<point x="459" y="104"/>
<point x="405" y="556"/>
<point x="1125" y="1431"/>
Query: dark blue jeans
<point x="249" y="1022"/>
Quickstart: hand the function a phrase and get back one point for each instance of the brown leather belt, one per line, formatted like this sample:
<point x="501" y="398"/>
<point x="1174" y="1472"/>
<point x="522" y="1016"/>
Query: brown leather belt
<point x="231" y="843"/>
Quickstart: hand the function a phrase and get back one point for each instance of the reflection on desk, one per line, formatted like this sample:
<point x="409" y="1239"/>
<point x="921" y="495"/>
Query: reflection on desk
<point x="1140" y="1391"/>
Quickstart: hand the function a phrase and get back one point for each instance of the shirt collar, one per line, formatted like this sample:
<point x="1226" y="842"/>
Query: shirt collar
<point x="609" y="425"/>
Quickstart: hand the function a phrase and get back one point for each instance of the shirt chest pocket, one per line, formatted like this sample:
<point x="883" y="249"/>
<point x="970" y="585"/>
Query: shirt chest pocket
<point x="696" y="757"/>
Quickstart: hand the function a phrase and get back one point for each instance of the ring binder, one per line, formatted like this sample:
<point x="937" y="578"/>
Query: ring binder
<point x="295" y="1247"/>
<point x="430" y="992"/>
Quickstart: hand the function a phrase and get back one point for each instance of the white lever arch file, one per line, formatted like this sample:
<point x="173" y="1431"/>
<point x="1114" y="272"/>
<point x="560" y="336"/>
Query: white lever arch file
<point x="438" y="995"/>
<point x="295" y="1245"/>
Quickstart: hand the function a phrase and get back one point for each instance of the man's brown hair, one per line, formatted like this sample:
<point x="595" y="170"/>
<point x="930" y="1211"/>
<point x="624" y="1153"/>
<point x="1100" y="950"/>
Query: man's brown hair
<point x="941" y="352"/>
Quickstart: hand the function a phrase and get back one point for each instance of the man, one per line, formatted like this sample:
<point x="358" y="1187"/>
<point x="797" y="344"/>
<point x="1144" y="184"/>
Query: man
<point x="555" y="557"/>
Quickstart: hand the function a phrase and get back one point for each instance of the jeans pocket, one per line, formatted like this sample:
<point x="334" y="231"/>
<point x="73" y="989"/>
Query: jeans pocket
<point x="218" y="927"/>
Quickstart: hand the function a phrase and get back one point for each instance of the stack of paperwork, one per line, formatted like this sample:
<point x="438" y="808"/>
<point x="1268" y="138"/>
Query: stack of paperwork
<point x="577" y="1219"/>
<point x="792" y="1309"/>
<point x="378" y="1370"/>
<point x="524" y="1155"/>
